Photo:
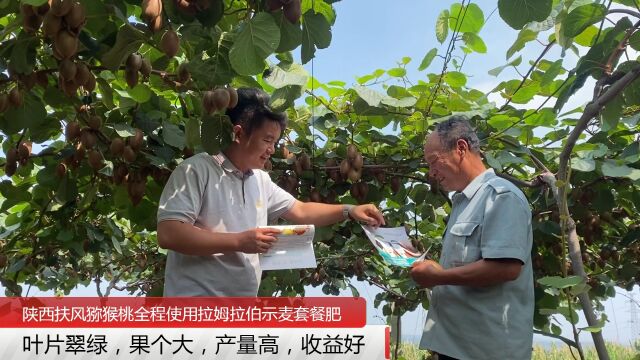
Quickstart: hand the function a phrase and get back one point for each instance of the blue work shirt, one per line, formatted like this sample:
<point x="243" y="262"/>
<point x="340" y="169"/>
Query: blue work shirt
<point x="489" y="219"/>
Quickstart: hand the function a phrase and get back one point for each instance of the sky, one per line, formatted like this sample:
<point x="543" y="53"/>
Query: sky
<point x="372" y="34"/>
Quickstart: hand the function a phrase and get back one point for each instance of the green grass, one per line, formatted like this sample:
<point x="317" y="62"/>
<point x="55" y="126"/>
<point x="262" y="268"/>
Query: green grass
<point x="410" y="351"/>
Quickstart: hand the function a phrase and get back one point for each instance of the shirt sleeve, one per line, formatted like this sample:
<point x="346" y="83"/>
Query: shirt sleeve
<point x="279" y="201"/>
<point x="506" y="228"/>
<point x="181" y="197"/>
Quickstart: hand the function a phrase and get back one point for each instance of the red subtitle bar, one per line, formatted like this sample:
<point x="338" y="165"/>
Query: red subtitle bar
<point x="196" y="312"/>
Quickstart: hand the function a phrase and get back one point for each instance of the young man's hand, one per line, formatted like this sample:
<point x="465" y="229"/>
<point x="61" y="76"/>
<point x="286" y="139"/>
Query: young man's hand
<point x="425" y="273"/>
<point x="367" y="213"/>
<point x="258" y="240"/>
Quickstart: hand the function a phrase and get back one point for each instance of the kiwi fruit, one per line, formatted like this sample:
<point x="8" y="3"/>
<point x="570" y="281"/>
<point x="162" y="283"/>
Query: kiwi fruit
<point x="170" y="43"/>
<point x="72" y="131"/>
<point x="221" y="98"/>
<point x="117" y="146"/>
<point x="134" y="62"/>
<point x="233" y="97"/>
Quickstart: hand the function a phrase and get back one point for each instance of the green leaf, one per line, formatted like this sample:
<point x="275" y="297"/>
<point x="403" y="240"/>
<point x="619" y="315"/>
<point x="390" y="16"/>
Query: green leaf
<point x="498" y="70"/>
<point x="258" y="39"/>
<point x="172" y="135"/>
<point x="397" y="72"/>
<point x="551" y="73"/>
<point x="517" y="13"/>
<point x="287" y="74"/>
<point x="442" y="27"/>
<point x="320" y="7"/>
<point x="611" y="168"/>
<point x="581" y="17"/>
<point x="526" y="93"/>
<point x="128" y="41"/>
<point x="316" y="33"/>
<point x="28" y="116"/>
<point x="428" y="58"/>
<point x="468" y="19"/>
<point x="23" y="53"/>
<point x="585" y="165"/>
<point x="585" y="38"/>
<point x="455" y="79"/>
<point x="215" y="133"/>
<point x="474" y="42"/>
<point x="140" y="93"/>
<point x="290" y="34"/>
<point x="211" y="15"/>
<point x="371" y="97"/>
<point x="524" y="36"/>
<point x="33" y="2"/>
<point x="284" y="97"/>
<point x="558" y="282"/>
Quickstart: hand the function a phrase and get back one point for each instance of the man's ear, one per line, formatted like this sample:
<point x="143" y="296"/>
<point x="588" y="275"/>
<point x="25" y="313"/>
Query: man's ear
<point x="462" y="146"/>
<point x="237" y="133"/>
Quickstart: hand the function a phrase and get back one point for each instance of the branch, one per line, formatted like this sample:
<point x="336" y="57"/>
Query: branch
<point x="526" y="76"/>
<point x="321" y="100"/>
<point x="518" y="182"/>
<point x="625" y="11"/>
<point x="559" y="337"/>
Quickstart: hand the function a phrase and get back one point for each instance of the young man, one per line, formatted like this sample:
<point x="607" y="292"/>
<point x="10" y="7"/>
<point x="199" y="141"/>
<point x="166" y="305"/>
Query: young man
<point x="482" y="301"/>
<point x="212" y="206"/>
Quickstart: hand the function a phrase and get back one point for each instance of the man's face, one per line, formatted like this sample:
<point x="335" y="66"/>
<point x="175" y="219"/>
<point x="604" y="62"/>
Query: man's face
<point x="444" y="165"/>
<point x="260" y="145"/>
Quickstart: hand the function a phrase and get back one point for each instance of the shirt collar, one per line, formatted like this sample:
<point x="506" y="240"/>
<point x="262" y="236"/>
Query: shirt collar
<point x="475" y="184"/>
<point x="228" y="166"/>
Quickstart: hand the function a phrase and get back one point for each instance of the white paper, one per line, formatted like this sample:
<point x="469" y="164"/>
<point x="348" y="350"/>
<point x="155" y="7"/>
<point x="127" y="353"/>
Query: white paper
<point x="293" y="250"/>
<point x="394" y="245"/>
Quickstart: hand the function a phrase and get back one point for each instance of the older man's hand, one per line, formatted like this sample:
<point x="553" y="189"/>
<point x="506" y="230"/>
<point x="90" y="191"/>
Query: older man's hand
<point x="427" y="273"/>
<point x="368" y="213"/>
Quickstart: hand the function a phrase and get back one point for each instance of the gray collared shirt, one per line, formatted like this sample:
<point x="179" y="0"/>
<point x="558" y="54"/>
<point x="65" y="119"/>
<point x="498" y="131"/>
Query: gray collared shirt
<point x="489" y="219"/>
<point x="211" y="193"/>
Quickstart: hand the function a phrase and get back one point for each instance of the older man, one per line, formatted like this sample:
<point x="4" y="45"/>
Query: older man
<point x="482" y="300"/>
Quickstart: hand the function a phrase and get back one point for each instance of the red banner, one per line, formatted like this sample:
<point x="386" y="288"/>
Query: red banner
<point x="196" y="312"/>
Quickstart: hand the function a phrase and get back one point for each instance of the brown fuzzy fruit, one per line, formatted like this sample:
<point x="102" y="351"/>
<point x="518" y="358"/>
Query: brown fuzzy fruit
<point x="358" y="161"/>
<point x="136" y="140"/>
<point x="66" y="44"/>
<point x="90" y="84"/>
<point x="395" y="184"/>
<point x="344" y="168"/>
<point x="297" y="168"/>
<point x="88" y="139"/>
<point x="24" y="150"/>
<point x="183" y="73"/>
<point x="145" y="67"/>
<point x="354" y="175"/>
<point x="10" y="168"/>
<point x="80" y="152"/>
<point x="207" y="102"/>
<point x="134" y="62"/>
<point x="120" y="173"/>
<point x="352" y="151"/>
<point x="43" y="9"/>
<point x="170" y="43"/>
<point x="293" y="11"/>
<point x="305" y="161"/>
<point x="131" y="76"/>
<point x="76" y="16"/>
<point x="128" y="154"/>
<point x="221" y="98"/>
<point x="26" y="10"/>
<point x="68" y="69"/>
<point x="15" y="97"/>
<point x="51" y="25"/>
<point x="233" y="97"/>
<point x="82" y="74"/>
<point x="156" y="24"/>
<point x="315" y="196"/>
<point x="116" y="147"/>
<point x="95" y="160"/>
<point x="95" y="122"/>
<point x="12" y="155"/>
<point x="31" y="23"/>
<point x="61" y="7"/>
<point x="42" y="79"/>
<point x="355" y="191"/>
<point x="72" y="131"/>
<point x="61" y="170"/>
<point x="151" y="9"/>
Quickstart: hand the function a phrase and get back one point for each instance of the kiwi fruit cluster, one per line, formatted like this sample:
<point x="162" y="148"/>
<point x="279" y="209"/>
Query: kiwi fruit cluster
<point x="292" y="9"/>
<point x="219" y="99"/>
<point x="351" y="166"/>
<point x="134" y="66"/>
<point x="15" y="155"/>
